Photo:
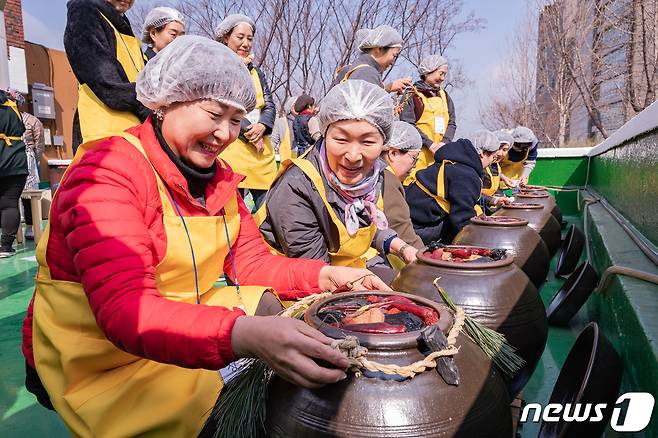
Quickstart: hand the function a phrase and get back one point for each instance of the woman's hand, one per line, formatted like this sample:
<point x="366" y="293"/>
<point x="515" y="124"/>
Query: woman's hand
<point x="409" y="254"/>
<point x="508" y="181"/>
<point x="403" y="250"/>
<point x="333" y="277"/>
<point x="398" y="85"/>
<point x="501" y="200"/>
<point x="435" y="147"/>
<point x="289" y="347"/>
<point x="259" y="145"/>
<point x="523" y="181"/>
<point x="255" y="132"/>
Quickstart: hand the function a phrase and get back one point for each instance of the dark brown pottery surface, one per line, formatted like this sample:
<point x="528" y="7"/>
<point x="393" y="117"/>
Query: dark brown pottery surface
<point x="502" y="298"/>
<point x="372" y="406"/>
<point x="543" y="198"/>
<point x="540" y="219"/>
<point x="522" y="242"/>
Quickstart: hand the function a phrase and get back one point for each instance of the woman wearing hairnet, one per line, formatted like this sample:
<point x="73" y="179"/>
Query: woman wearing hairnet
<point x="445" y="195"/>
<point x="161" y="26"/>
<point x="328" y="206"/>
<point x="430" y="109"/>
<point x="127" y="330"/>
<point x="521" y="158"/>
<point x="491" y="193"/>
<point x="251" y="154"/>
<point x="379" y="48"/>
<point x="401" y="154"/>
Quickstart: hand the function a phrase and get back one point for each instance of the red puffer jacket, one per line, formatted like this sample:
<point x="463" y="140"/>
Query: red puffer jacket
<point x="110" y="204"/>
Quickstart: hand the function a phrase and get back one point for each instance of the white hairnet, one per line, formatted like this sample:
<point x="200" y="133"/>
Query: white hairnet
<point x="485" y="141"/>
<point x="381" y="36"/>
<point x="504" y="137"/>
<point x="404" y="137"/>
<point x="287" y="106"/>
<point x="357" y="100"/>
<point x="176" y="75"/>
<point x="228" y="23"/>
<point x="431" y="63"/>
<point x="522" y="134"/>
<point x="360" y="37"/>
<point x="157" y="17"/>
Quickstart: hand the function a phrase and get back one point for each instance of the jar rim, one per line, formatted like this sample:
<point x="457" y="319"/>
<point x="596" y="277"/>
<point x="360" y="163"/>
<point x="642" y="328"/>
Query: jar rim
<point x="505" y="261"/>
<point x="393" y="341"/>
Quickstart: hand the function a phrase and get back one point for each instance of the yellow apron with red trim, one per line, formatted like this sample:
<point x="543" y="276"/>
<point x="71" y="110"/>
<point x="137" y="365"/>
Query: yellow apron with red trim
<point x="512" y="169"/>
<point x="433" y="123"/>
<point x="495" y="180"/>
<point x="97" y="120"/>
<point x="355" y="250"/>
<point x="285" y="147"/>
<point x="100" y="390"/>
<point x="259" y="168"/>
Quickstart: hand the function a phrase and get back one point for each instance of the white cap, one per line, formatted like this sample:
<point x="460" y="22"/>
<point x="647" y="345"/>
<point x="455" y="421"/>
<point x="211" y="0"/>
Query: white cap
<point x="228" y="23"/>
<point x="157" y="17"/>
<point x="381" y="36"/>
<point x="358" y="100"/>
<point x="194" y="68"/>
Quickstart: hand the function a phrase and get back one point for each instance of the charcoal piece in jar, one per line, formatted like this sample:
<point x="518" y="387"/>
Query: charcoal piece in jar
<point x="331" y="316"/>
<point x="410" y="321"/>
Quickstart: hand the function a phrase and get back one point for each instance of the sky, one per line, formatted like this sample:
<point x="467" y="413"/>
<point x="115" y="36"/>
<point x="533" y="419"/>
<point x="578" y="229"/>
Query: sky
<point x="480" y="53"/>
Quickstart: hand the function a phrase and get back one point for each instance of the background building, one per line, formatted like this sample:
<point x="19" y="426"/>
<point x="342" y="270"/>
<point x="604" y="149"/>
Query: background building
<point x="596" y="66"/>
<point x="38" y="72"/>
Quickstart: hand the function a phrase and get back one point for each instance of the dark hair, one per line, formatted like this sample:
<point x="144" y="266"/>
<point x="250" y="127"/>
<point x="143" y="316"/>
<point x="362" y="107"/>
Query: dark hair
<point x="303" y="102"/>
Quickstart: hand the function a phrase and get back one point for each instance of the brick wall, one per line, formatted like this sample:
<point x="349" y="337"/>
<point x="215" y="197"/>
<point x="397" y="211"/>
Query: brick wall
<point x="14" y="24"/>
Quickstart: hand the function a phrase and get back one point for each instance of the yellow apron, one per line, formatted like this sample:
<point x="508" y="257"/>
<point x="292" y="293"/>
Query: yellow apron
<point x="495" y="180"/>
<point x="433" y="123"/>
<point x="349" y="73"/>
<point x="354" y="250"/>
<point x="513" y="169"/>
<point x="440" y="196"/>
<point x="8" y="139"/>
<point x="285" y="147"/>
<point x="102" y="391"/>
<point x="97" y="120"/>
<point x="258" y="168"/>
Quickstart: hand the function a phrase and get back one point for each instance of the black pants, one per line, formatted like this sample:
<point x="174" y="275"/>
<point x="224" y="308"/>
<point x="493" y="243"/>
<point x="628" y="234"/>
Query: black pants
<point x="34" y="385"/>
<point x="11" y="188"/>
<point x="27" y="211"/>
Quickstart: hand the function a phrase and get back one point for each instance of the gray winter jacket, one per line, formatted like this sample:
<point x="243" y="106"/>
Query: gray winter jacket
<point x="298" y="223"/>
<point x="372" y="73"/>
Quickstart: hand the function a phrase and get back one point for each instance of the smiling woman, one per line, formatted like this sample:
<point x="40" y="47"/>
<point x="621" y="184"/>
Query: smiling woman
<point x="251" y="154"/>
<point x="126" y="321"/>
<point x="329" y="204"/>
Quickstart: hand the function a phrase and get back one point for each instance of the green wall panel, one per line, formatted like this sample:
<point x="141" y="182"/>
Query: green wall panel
<point x="627" y="177"/>
<point x="560" y="171"/>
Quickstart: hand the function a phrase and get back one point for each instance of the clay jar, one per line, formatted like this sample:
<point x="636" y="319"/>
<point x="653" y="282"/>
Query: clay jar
<point x="497" y="294"/>
<point x="539" y="219"/>
<point x="373" y="406"/>
<point x="529" y="250"/>
<point x="541" y="197"/>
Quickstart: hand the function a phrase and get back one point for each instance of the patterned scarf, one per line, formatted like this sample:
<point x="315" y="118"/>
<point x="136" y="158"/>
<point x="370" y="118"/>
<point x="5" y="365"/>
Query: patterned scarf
<point x="359" y="197"/>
